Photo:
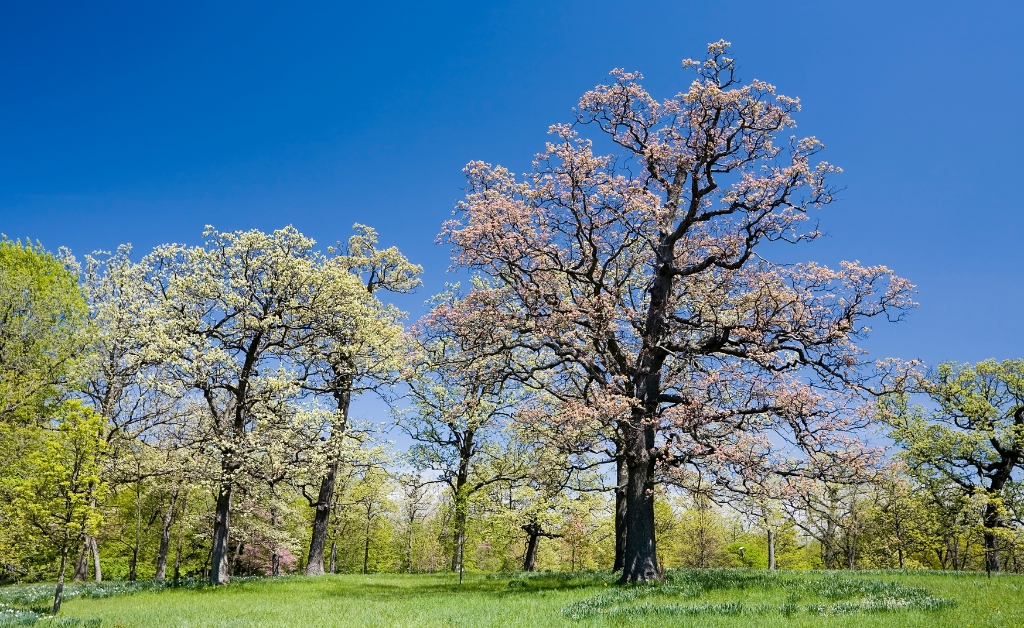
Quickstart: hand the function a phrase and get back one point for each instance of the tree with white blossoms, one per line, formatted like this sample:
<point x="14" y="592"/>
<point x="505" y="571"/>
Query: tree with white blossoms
<point x="234" y="316"/>
<point x="123" y="381"/>
<point x="355" y="346"/>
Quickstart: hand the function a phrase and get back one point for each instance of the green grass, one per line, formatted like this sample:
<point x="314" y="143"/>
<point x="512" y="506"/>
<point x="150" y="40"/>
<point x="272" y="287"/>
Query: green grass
<point x="687" y="598"/>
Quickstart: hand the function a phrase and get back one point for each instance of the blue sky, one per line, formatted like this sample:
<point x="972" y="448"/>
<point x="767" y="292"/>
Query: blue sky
<point x="133" y="122"/>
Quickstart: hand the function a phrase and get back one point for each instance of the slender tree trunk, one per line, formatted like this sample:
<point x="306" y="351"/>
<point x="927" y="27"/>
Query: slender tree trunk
<point x="58" y="594"/>
<point x="461" y="503"/>
<point x="325" y="498"/>
<point x="366" y="549"/>
<point x="98" y="572"/>
<point x="640" y="560"/>
<point x="621" y="484"/>
<point x="771" y="549"/>
<point x="165" y="538"/>
<point x="134" y="562"/>
<point x="181" y="533"/>
<point x="334" y="556"/>
<point x="220" y="568"/>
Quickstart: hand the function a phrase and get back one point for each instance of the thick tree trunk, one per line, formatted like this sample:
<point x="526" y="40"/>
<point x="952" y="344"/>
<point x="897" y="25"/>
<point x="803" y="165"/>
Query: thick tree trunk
<point x="991" y="549"/>
<point x="640" y="560"/>
<point x="98" y="572"/>
<point x="771" y="549"/>
<point x="82" y="564"/>
<point x="992" y="563"/>
<point x="220" y="567"/>
<point x="321" y="520"/>
<point x="325" y="498"/>
<point x="622" y="480"/>
<point x="58" y="594"/>
<point x="165" y="538"/>
<point x="532" y="541"/>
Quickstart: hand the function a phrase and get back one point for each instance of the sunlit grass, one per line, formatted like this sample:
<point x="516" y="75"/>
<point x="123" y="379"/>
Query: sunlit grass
<point x="687" y="598"/>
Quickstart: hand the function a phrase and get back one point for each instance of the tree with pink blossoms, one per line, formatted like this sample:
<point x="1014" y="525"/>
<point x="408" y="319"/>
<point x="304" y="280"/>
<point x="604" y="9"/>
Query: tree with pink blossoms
<point x="639" y="278"/>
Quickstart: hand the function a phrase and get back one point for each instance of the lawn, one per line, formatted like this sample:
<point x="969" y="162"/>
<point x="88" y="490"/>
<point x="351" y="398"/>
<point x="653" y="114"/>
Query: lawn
<point x="687" y="598"/>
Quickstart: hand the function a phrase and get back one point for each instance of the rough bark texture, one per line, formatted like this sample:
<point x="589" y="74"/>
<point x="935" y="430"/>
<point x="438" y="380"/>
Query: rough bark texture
<point x="165" y="538"/>
<point x="95" y="558"/>
<point x="771" y="549"/>
<point x="640" y="556"/>
<point x="622" y="480"/>
<point x="220" y="568"/>
<point x="82" y="564"/>
<point x="58" y="594"/>
<point x="461" y="500"/>
<point x="325" y="497"/>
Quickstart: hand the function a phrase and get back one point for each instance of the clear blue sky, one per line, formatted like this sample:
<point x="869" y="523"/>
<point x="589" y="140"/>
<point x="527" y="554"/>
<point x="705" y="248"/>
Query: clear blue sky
<point x="137" y="122"/>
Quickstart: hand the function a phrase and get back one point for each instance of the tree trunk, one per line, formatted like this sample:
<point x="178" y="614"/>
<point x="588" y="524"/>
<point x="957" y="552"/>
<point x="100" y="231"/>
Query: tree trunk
<point x="771" y="549"/>
<point x="58" y="594"/>
<point x="321" y="521"/>
<point x="532" y="541"/>
<point x="991" y="550"/>
<point x="334" y="556"/>
<point x="134" y="561"/>
<point x="461" y="502"/>
<point x="181" y="533"/>
<point x="95" y="558"/>
<point x="82" y="564"/>
<point x="640" y="560"/>
<point x="325" y="498"/>
<point x="622" y="480"/>
<point x="220" y="568"/>
<point x="165" y="538"/>
<point x="366" y="549"/>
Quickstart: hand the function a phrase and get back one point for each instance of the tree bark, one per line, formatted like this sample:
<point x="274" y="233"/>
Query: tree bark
<point x="220" y="568"/>
<point x="461" y="501"/>
<point x="165" y="538"/>
<point x="991" y="549"/>
<point x="366" y="549"/>
<point x="58" y="594"/>
<point x="334" y="556"/>
<point x="771" y="549"/>
<point x="321" y="520"/>
<point x="532" y="541"/>
<point x="181" y="533"/>
<point x="622" y="480"/>
<point x="95" y="558"/>
<point x="325" y="498"/>
<point x="640" y="560"/>
<point x="82" y="564"/>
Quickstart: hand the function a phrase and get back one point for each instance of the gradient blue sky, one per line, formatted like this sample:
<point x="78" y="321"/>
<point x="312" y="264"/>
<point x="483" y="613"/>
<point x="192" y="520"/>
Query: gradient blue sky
<point x="133" y="122"/>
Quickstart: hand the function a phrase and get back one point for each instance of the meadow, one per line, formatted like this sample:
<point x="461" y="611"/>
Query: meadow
<point x="714" y="597"/>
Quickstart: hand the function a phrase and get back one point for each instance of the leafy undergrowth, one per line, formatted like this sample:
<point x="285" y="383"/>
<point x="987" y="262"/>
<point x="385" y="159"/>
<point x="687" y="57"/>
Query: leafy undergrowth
<point x="715" y="598"/>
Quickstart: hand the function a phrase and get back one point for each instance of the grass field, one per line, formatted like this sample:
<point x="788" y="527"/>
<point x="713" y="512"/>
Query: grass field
<point x="687" y="598"/>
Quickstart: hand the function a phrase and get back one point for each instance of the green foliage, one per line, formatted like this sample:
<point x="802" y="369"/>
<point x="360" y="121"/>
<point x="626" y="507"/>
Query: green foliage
<point x="55" y="492"/>
<point x="43" y="322"/>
